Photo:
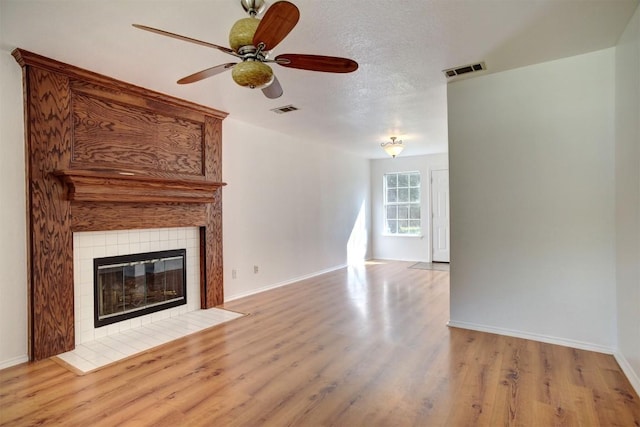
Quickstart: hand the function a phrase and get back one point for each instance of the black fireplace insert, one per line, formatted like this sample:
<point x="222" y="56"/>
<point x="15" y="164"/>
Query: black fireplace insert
<point x="129" y="286"/>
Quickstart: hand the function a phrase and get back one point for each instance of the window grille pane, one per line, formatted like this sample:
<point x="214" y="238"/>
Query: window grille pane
<point x="403" y="212"/>
<point x="414" y="180"/>
<point x="392" y="226"/>
<point x="403" y="226"/>
<point x="403" y="180"/>
<point x="392" y="196"/>
<point x="415" y="194"/>
<point x="414" y="227"/>
<point x="392" y="212"/>
<point x="392" y="180"/>
<point x="403" y="195"/>
<point x="414" y="212"/>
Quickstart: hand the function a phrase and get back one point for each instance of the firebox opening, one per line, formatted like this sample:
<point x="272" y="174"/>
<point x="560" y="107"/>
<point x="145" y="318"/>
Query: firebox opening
<point x="129" y="286"/>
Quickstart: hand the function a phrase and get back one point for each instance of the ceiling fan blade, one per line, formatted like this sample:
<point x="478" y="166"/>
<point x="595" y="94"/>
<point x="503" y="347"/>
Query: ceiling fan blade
<point x="327" y="64"/>
<point x="277" y="22"/>
<point x="187" y="39"/>
<point x="209" y="72"/>
<point x="274" y="90"/>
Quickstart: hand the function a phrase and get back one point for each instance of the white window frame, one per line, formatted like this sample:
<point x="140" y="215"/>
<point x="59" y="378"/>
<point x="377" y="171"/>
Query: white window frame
<point x="410" y="217"/>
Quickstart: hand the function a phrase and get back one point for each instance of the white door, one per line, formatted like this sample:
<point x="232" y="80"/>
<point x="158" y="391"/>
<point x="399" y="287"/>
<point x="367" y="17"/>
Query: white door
<point x="440" y="215"/>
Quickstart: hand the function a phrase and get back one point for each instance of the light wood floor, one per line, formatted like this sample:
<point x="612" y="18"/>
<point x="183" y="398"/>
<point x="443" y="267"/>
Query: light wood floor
<point x="351" y="348"/>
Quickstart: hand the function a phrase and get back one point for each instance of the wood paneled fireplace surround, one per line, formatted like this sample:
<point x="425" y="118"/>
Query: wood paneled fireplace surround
<point x="102" y="154"/>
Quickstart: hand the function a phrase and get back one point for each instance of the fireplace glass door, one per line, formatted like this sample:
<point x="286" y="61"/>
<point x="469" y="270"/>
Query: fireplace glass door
<point x="133" y="285"/>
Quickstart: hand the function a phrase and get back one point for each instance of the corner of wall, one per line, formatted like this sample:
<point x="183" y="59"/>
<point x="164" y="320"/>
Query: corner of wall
<point x="628" y="370"/>
<point x="627" y="199"/>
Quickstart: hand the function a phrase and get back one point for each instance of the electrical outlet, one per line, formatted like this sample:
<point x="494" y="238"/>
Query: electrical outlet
<point x="234" y="273"/>
<point x="255" y="269"/>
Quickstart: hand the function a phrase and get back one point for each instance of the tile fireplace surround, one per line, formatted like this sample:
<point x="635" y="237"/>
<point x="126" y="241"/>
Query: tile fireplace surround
<point x="98" y="244"/>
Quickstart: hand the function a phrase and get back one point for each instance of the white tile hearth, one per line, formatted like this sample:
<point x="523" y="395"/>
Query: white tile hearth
<point x="92" y="355"/>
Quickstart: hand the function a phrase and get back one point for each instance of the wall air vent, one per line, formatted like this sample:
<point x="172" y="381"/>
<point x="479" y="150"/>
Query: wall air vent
<point x="464" y="69"/>
<point x="286" y="109"/>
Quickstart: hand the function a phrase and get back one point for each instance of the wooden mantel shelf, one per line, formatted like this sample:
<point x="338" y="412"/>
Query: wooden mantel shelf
<point x="114" y="186"/>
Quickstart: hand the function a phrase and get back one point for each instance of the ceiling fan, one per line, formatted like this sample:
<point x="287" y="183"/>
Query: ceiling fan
<point x="251" y="40"/>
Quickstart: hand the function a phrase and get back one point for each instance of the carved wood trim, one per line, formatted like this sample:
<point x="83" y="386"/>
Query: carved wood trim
<point x="99" y="186"/>
<point x="155" y="100"/>
<point x="50" y="239"/>
<point x="83" y="129"/>
<point x="92" y="216"/>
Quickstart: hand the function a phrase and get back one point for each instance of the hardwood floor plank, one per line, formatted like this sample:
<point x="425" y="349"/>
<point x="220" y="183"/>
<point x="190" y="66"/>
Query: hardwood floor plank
<point x="353" y="347"/>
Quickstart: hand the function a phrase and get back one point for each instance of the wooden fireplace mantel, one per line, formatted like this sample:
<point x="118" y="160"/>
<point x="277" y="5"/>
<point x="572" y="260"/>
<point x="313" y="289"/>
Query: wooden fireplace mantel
<point x="91" y="139"/>
<point x="122" y="186"/>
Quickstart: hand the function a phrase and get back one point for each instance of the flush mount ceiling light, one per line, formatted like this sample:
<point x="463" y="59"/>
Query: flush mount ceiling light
<point x="393" y="147"/>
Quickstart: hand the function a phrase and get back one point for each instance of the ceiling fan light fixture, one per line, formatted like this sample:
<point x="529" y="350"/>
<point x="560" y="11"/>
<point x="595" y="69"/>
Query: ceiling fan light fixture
<point x="252" y="74"/>
<point x="241" y="34"/>
<point x="251" y="41"/>
<point x="393" y="147"/>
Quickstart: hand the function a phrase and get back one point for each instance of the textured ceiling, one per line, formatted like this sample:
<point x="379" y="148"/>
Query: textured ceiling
<point x="401" y="47"/>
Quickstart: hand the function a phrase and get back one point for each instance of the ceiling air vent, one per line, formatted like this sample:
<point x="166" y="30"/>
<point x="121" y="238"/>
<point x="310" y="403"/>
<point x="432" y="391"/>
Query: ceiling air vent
<point x="471" y="68"/>
<point x="285" y="109"/>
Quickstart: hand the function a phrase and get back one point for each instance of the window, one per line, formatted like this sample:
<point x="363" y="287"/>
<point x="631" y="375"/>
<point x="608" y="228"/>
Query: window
<point x="402" y="203"/>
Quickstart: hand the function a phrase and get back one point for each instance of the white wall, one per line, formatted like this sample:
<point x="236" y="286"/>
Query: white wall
<point x="532" y="201"/>
<point x="628" y="199"/>
<point x="13" y="291"/>
<point x="406" y="248"/>
<point x="290" y="207"/>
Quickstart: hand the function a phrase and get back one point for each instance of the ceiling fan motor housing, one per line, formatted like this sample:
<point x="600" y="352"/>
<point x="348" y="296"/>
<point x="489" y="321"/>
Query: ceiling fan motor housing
<point x="252" y="7"/>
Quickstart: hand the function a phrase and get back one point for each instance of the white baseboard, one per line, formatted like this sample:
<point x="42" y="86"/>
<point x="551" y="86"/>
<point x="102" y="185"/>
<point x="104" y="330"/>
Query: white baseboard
<point x="14" y="361"/>
<point x="280" y="284"/>
<point x="534" y="337"/>
<point x="631" y="374"/>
